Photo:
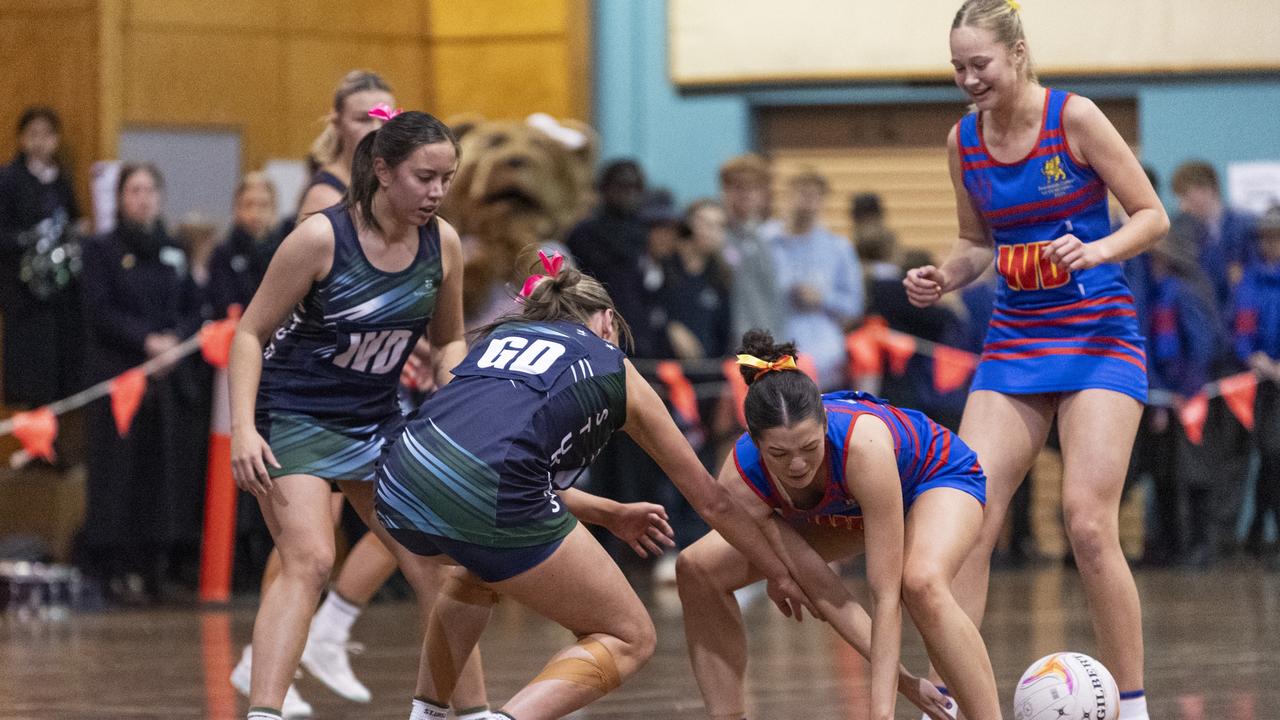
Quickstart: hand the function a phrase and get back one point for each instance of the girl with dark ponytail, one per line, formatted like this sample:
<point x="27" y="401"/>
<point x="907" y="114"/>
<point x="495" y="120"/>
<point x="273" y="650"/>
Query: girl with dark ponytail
<point x="382" y="151"/>
<point x="343" y="304"/>
<point x="826" y="476"/>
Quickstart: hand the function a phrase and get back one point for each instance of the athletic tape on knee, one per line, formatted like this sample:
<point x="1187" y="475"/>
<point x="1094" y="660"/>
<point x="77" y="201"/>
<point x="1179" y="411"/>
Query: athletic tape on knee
<point x="599" y="673"/>
<point x="467" y="590"/>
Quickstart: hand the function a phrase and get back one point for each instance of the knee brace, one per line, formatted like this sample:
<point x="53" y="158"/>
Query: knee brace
<point x="467" y="589"/>
<point x="599" y="673"/>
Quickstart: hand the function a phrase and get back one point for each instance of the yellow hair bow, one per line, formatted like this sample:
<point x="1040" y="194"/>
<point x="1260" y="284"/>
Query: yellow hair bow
<point x="786" y="362"/>
<point x="1015" y="5"/>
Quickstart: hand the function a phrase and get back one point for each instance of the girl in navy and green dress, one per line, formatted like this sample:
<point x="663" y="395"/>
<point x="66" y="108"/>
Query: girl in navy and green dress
<point x="343" y="304"/>
<point x="482" y="478"/>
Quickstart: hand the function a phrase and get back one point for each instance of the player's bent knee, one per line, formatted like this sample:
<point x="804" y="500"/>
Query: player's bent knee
<point x="1090" y="538"/>
<point x="925" y="590"/>
<point x="469" y="590"/>
<point x="693" y="570"/>
<point x="599" y="672"/>
<point x="645" y="642"/>
<point x="312" y="567"/>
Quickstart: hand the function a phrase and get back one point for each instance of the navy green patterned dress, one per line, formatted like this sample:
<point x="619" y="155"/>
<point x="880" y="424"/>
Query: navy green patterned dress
<point x="530" y="408"/>
<point x="327" y="399"/>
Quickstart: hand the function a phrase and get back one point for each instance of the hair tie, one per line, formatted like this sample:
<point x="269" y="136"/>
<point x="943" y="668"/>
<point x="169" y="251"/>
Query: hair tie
<point x="551" y="264"/>
<point x="1014" y="5"/>
<point x="786" y="362"/>
<point x="383" y="112"/>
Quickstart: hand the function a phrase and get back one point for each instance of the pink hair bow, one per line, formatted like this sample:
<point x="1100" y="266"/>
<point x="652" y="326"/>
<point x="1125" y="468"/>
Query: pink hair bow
<point x="383" y="112"/>
<point x="551" y="264"/>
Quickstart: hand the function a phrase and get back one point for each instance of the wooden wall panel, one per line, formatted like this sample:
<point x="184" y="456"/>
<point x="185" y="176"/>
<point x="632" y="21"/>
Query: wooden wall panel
<point x="244" y="14"/>
<point x="312" y="69"/>
<point x="503" y="79"/>
<point x="495" y="18"/>
<point x="187" y="78"/>
<point x="269" y="67"/>
<point x="191" y="79"/>
<point x="48" y="58"/>
<point x="913" y="182"/>
<point x="378" y="18"/>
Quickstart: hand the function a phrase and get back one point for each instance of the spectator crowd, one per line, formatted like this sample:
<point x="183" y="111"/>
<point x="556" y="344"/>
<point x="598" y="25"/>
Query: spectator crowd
<point x="79" y="308"/>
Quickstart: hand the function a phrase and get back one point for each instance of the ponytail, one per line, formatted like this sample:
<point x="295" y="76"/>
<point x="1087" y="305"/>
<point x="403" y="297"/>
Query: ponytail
<point x="569" y="295"/>
<point x="778" y="394"/>
<point x="364" y="184"/>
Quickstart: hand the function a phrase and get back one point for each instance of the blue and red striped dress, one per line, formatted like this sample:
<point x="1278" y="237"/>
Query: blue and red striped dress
<point x="929" y="456"/>
<point x="1051" y="330"/>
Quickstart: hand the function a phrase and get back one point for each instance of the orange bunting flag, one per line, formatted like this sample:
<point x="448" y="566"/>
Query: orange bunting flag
<point x="215" y="341"/>
<point x="900" y="348"/>
<point x="738" y="386"/>
<point x="36" y="430"/>
<point x="1240" y="391"/>
<point x="1192" y="414"/>
<point x="952" y="368"/>
<point x="680" y="391"/>
<point x="127" y="390"/>
<point x="863" y="346"/>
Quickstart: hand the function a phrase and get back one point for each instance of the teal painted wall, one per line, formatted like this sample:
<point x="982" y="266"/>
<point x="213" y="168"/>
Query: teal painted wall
<point x="1221" y="122"/>
<point x="680" y="140"/>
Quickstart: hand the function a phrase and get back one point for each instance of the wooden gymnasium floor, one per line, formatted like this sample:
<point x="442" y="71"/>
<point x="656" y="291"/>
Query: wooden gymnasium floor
<point x="1212" y="643"/>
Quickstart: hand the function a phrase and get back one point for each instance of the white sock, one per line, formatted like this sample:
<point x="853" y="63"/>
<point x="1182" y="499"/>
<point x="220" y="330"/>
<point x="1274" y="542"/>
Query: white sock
<point x="480" y="713"/>
<point x="258" y="713"/>
<point x="423" y="710"/>
<point x="1133" y="707"/>
<point x="334" y="618"/>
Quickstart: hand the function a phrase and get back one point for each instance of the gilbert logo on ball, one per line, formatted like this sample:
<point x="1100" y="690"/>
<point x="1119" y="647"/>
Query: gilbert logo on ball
<point x="1068" y="686"/>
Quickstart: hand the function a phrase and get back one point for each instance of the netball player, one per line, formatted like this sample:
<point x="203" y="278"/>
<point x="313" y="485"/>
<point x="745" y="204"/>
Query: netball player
<point x="482" y="478"/>
<point x="1032" y="168"/>
<point x="843" y="473"/>
<point x="344" y="301"/>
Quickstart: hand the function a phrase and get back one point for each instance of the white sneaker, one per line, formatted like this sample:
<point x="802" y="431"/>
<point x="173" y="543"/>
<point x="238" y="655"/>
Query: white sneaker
<point x="243" y="671"/>
<point x="327" y="661"/>
<point x="664" y="570"/>
<point x="294" y="705"/>
<point x="747" y="595"/>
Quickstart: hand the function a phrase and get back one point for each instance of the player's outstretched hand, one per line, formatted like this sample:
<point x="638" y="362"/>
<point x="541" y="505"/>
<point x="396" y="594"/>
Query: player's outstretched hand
<point x="644" y="527"/>
<point x="790" y="598"/>
<point x="922" y="693"/>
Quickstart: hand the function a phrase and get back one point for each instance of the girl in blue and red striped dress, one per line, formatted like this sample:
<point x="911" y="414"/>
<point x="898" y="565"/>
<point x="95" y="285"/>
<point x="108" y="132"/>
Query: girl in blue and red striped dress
<point x="1031" y="169"/>
<point x="828" y="476"/>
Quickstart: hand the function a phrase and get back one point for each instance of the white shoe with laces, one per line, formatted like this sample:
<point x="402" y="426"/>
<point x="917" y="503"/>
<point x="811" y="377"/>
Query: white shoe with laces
<point x="327" y="661"/>
<point x="293" y="707"/>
